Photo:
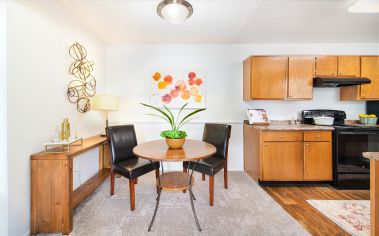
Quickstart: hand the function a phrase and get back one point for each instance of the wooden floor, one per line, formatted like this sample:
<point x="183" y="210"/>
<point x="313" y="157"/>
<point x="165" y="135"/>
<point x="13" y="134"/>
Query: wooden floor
<point x="293" y="200"/>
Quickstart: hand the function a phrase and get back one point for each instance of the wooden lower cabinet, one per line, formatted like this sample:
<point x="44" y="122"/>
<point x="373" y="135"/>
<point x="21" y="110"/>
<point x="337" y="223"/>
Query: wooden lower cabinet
<point x="287" y="155"/>
<point x="282" y="161"/>
<point x="317" y="161"/>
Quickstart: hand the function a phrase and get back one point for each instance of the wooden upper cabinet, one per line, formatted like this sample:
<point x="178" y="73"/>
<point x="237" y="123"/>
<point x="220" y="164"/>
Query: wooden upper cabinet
<point x="265" y="78"/>
<point x="300" y="77"/>
<point x="326" y="65"/>
<point x="370" y="69"/>
<point x="349" y="66"/>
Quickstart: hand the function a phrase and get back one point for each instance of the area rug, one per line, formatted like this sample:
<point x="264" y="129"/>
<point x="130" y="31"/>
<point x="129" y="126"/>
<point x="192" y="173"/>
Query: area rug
<point x="351" y="215"/>
<point x="242" y="209"/>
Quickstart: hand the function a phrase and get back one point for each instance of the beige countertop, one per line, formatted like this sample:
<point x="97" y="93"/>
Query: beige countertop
<point x="371" y="155"/>
<point x="291" y="127"/>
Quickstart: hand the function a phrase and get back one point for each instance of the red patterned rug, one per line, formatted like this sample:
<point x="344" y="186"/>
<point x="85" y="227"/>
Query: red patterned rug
<point x="351" y="215"/>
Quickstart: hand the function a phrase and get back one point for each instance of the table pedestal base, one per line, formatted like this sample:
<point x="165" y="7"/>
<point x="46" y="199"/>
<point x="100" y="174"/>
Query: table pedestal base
<point x="175" y="181"/>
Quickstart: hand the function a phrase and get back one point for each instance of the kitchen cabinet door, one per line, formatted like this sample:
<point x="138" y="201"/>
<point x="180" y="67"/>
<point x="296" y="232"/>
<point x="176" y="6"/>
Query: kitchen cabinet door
<point x="318" y="161"/>
<point x="349" y="66"/>
<point x="370" y="69"/>
<point x="269" y="77"/>
<point x="326" y="65"/>
<point x="300" y="77"/>
<point x="282" y="161"/>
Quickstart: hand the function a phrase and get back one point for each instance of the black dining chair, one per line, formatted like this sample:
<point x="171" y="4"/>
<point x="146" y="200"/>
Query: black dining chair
<point x="218" y="135"/>
<point x="124" y="162"/>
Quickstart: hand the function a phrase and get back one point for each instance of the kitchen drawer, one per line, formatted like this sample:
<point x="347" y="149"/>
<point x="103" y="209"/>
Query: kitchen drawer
<point x="282" y="136"/>
<point x="322" y="136"/>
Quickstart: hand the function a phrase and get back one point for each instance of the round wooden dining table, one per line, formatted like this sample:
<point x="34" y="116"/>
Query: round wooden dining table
<point x="192" y="150"/>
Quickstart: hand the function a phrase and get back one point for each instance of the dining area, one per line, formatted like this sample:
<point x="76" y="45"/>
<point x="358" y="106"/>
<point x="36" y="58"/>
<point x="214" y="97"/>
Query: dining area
<point x="132" y="160"/>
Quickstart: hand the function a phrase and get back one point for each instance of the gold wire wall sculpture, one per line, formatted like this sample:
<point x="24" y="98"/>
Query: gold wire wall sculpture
<point x="84" y="85"/>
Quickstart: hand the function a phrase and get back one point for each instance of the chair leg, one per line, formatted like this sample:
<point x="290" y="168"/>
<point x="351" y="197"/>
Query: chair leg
<point x="185" y="170"/>
<point x="203" y="177"/>
<point x="112" y="184"/>
<point x="136" y="180"/>
<point x="225" y="177"/>
<point x="211" y="189"/>
<point x="132" y="194"/>
<point x="156" y="178"/>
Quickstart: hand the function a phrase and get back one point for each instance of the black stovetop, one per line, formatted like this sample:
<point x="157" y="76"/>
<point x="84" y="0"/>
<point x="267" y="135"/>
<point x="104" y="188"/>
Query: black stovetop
<point x="339" y="120"/>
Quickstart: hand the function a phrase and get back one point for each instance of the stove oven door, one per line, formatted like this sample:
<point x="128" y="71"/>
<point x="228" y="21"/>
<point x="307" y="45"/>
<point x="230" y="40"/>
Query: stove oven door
<point x="351" y="168"/>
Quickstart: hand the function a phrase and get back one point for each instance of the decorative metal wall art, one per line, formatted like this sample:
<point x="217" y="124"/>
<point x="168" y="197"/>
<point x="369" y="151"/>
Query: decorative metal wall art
<point x="84" y="85"/>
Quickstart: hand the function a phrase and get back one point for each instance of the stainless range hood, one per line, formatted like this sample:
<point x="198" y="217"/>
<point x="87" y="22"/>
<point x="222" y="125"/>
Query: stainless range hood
<point x="339" y="81"/>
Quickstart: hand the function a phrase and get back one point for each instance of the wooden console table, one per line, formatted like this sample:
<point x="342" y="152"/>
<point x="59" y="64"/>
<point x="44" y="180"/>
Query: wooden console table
<point x="52" y="196"/>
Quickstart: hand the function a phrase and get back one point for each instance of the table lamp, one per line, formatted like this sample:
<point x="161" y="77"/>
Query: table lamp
<point x="105" y="103"/>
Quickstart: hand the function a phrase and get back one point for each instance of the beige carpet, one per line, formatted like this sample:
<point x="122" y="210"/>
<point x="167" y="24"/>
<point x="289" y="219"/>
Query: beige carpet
<point x="243" y="209"/>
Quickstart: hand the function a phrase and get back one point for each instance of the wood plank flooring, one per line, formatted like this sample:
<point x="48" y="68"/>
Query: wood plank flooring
<point x="293" y="200"/>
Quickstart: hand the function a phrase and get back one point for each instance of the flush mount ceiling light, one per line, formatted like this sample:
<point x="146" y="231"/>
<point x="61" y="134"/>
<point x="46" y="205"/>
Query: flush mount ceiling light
<point x="365" y="6"/>
<point x="174" y="11"/>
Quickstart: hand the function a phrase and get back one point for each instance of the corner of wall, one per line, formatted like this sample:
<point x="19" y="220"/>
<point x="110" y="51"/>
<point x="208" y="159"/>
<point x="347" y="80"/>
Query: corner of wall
<point x="3" y="122"/>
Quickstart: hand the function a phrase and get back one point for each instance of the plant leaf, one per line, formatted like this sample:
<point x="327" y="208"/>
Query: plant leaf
<point x="188" y="120"/>
<point x="158" y="116"/>
<point x="172" y="117"/>
<point x="181" y="109"/>
<point x="189" y="115"/>
<point x="159" y="110"/>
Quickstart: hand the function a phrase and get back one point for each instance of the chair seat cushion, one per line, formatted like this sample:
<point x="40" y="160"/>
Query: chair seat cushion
<point x="208" y="166"/>
<point x="134" y="167"/>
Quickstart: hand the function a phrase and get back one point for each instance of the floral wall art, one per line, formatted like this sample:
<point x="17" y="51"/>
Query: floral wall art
<point x="174" y="88"/>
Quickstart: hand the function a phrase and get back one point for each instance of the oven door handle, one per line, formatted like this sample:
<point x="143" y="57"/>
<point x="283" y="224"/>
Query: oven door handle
<point x="354" y="133"/>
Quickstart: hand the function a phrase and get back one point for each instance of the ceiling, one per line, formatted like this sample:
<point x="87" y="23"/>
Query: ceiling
<point x="228" y="21"/>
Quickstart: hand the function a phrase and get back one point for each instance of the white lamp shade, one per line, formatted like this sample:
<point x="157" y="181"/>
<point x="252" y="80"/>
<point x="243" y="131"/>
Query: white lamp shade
<point x="175" y="13"/>
<point x="105" y="103"/>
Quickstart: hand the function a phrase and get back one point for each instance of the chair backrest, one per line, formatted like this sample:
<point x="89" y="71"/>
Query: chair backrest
<point x="218" y="135"/>
<point x="123" y="140"/>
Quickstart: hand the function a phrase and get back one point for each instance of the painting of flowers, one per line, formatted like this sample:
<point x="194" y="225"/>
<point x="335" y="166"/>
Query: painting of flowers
<point x="174" y="88"/>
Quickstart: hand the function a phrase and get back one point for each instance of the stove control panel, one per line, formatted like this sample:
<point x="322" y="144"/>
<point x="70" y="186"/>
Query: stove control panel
<point x="307" y="115"/>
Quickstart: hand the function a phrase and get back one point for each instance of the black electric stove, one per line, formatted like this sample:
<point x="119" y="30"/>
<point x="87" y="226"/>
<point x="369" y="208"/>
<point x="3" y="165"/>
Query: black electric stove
<point x="350" y="169"/>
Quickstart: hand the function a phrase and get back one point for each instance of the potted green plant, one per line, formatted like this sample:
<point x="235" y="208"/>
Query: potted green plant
<point x="175" y="137"/>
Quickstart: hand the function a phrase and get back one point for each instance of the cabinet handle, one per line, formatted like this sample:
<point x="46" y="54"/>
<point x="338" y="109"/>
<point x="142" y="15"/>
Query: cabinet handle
<point x="318" y="136"/>
<point x="266" y="145"/>
<point x="306" y="144"/>
<point x="281" y="136"/>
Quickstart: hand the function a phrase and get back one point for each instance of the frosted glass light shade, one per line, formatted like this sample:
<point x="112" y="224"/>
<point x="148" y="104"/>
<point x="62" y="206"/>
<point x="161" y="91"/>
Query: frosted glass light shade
<point x="105" y="102"/>
<point x="174" y="11"/>
<point x="365" y="6"/>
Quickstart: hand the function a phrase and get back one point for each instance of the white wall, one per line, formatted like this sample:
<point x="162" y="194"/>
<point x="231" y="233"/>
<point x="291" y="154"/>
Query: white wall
<point x="128" y="69"/>
<point x="39" y="35"/>
<point x="3" y="124"/>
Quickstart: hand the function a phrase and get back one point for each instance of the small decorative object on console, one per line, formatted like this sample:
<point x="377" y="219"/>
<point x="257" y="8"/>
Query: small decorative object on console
<point x="62" y="146"/>
<point x="63" y="143"/>
<point x="175" y="137"/>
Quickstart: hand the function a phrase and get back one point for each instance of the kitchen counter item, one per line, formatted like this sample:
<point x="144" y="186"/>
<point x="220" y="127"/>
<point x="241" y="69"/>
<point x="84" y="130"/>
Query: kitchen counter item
<point x="289" y="127"/>
<point x="323" y="120"/>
